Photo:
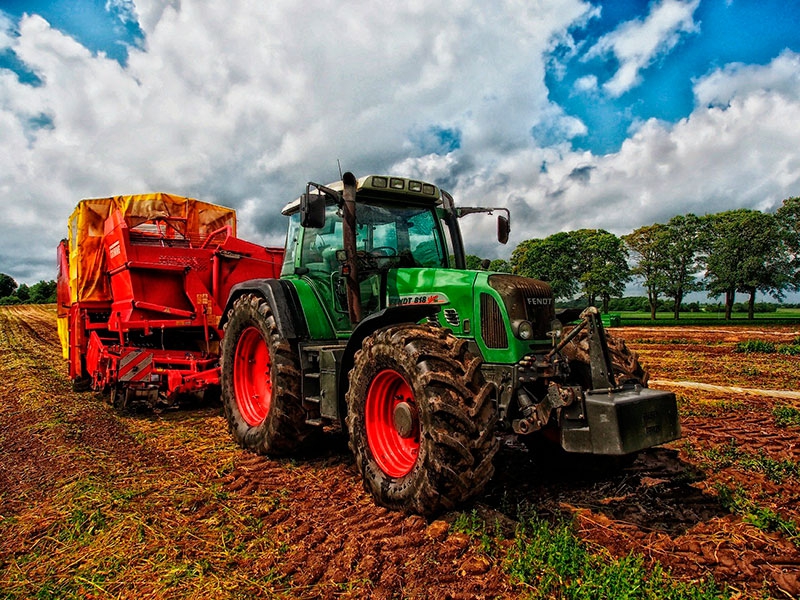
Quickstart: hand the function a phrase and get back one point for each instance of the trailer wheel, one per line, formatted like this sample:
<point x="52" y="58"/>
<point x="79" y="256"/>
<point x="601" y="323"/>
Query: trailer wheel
<point x="260" y="379"/>
<point x="421" y="419"/>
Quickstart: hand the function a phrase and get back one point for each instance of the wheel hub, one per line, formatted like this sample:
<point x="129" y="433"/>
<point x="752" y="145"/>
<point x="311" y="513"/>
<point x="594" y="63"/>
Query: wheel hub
<point x="405" y="420"/>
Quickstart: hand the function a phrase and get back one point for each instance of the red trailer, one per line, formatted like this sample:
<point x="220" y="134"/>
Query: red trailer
<point x="142" y="284"/>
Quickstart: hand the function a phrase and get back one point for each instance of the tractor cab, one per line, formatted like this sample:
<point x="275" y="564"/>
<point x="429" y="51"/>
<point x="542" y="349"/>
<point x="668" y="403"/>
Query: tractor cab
<point x="397" y="223"/>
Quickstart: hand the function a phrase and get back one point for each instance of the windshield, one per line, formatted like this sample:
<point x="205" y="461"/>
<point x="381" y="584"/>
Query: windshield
<point x="405" y="236"/>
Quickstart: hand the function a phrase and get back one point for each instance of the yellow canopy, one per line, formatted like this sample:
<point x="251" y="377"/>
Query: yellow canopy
<point x="195" y="219"/>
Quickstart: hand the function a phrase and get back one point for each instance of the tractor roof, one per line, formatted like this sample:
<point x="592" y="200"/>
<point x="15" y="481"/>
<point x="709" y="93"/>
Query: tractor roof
<point x="385" y="187"/>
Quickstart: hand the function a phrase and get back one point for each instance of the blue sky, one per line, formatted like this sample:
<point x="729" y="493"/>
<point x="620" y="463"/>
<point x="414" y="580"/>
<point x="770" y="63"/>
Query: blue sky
<point x="572" y="113"/>
<point x="750" y="32"/>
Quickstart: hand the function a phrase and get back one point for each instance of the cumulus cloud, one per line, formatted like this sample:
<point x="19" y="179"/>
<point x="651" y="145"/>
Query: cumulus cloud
<point x="740" y="153"/>
<point x="243" y="103"/>
<point x="781" y="76"/>
<point x="638" y="43"/>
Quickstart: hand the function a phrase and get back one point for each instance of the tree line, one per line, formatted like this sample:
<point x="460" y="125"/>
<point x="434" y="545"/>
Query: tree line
<point x="43" y="292"/>
<point x="737" y="251"/>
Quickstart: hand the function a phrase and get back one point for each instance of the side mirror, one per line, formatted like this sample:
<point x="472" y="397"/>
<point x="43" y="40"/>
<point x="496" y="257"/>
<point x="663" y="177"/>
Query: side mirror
<point x="503" y="229"/>
<point x="312" y="210"/>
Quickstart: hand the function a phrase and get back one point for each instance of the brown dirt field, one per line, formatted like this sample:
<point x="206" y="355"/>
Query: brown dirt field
<point x="93" y="505"/>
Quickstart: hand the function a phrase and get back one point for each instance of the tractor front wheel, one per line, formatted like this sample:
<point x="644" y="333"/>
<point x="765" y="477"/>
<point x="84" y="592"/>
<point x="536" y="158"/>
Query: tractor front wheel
<point x="260" y="380"/>
<point x="421" y="419"/>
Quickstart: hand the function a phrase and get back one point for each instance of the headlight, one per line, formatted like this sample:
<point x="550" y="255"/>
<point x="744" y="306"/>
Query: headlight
<point x="556" y="329"/>
<point x="525" y="330"/>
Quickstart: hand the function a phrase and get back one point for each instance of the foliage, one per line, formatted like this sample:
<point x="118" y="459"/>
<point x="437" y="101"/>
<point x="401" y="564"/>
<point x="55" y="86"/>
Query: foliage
<point x="555" y="563"/>
<point x="746" y="253"/>
<point x="760" y="346"/>
<point x="550" y="259"/>
<point x="683" y="243"/>
<point x="649" y="246"/>
<point x="786" y="416"/>
<point x="7" y="285"/>
<point x="473" y="262"/>
<point x="788" y="216"/>
<point x="43" y="292"/>
<point x="500" y="265"/>
<point x="764" y="518"/>
<point x="592" y="262"/>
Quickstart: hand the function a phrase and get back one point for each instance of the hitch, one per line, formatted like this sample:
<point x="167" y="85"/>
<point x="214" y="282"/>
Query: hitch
<point x="599" y="358"/>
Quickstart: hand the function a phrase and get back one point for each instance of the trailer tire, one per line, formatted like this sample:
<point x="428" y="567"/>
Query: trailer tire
<point x="421" y="419"/>
<point x="260" y="380"/>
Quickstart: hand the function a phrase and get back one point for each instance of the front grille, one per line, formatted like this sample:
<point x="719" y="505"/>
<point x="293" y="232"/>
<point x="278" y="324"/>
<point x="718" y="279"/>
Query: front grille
<point x="493" y="328"/>
<point x="526" y="300"/>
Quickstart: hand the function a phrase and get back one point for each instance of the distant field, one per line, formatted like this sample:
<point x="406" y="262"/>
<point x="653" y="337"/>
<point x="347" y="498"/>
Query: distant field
<point x="781" y="316"/>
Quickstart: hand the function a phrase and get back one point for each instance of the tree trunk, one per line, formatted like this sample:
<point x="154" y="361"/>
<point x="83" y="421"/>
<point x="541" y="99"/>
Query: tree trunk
<point x="606" y="300"/>
<point x="730" y="296"/>
<point x="652" y="297"/>
<point x="676" y="308"/>
<point x="751" y="305"/>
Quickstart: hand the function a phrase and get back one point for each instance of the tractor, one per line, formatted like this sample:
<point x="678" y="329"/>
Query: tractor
<point x="375" y="326"/>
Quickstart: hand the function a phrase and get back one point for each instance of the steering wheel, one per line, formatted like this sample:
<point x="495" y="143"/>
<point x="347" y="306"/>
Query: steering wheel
<point x="383" y="252"/>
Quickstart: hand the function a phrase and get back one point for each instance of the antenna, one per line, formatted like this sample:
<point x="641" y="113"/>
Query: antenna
<point x="338" y="162"/>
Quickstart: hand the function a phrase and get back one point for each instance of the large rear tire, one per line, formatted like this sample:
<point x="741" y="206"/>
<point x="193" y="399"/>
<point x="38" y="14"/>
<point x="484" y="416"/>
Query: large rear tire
<point x="421" y="419"/>
<point x="260" y="380"/>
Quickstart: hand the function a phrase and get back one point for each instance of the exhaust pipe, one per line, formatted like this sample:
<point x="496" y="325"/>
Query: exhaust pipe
<point x="350" y="268"/>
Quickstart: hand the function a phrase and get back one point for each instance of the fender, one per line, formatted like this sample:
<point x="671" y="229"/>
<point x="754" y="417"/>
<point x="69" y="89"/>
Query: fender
<point x="283" y="300"/>
<point x="393" y="315"/>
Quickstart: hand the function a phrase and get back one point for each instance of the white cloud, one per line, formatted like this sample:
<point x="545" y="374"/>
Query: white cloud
<point x="637" y="43"/>
<point x="587" y="83"/>
<point x="742" y="154"/>
<point x="243" y="101"/>
<point x="781" y="76"/>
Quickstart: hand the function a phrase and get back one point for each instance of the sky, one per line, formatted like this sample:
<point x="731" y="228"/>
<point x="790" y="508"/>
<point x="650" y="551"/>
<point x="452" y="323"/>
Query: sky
<point x="571" y="113"/>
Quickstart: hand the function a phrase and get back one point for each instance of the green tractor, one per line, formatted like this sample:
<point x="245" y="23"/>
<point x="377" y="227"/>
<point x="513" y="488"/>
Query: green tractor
<point x="376" y="326"/>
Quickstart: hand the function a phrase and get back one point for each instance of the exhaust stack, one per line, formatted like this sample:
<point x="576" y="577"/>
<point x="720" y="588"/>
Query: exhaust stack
<point x="350" y="269"/>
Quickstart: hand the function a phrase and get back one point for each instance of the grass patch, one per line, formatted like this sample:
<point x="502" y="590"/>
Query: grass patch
<point x="731" y="454"/>
<point x="736" y="502"/>
<point x="551" y="561"/>
<point x="472" y="525"/>
<point x="555" y="563"/>
<point x="763" y="347"/>
<point x="786" y="416"/>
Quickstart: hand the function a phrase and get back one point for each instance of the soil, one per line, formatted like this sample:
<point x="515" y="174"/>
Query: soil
<point x="94" y="505"/>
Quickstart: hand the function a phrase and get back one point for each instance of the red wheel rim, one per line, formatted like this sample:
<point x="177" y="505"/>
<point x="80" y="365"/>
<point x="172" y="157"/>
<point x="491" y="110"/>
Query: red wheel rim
<point x="395" y="454"/>
<point x="251" y="382"/>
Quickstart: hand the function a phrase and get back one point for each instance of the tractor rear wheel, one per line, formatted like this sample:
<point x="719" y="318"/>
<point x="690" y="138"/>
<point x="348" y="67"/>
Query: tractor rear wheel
<point x="421" y="419"/>
<point x="260" y="380"/>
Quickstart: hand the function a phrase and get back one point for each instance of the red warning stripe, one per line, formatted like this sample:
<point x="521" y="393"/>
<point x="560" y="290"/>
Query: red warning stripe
<point x="135" y="366"/>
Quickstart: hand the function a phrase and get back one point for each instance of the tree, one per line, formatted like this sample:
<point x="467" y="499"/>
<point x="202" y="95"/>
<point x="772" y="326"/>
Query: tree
<point x="683" y="241"/>
<point x="602" y="265"/>
<point x="590" y="261"/>
<point x="649" y="245"/>
<point x="551" y="259"/>
<point x="473" y="262"/>
<point x="7" y="285"/>
<point x="43" y="292"/>
<point x="500" y="265"/>
<point x="747" y="252"/>
<point x="23" y="293"/>
<point x="789" y="221"/>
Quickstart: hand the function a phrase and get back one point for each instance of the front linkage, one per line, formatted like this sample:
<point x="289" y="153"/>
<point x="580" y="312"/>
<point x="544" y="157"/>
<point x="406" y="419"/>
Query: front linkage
<point x="591" y="389"/>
